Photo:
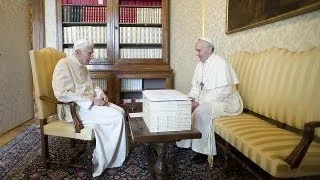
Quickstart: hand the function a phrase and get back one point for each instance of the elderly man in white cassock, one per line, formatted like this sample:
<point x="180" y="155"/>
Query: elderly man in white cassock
<point x="71" y="82"/>
<point x="213" y="94"/>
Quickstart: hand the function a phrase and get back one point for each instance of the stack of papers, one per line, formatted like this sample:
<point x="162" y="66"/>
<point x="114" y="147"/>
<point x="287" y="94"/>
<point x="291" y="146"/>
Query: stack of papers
<point x="165" y="95"/>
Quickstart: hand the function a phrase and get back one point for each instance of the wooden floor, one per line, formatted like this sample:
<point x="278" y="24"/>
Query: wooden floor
<point x="7" y="137"/>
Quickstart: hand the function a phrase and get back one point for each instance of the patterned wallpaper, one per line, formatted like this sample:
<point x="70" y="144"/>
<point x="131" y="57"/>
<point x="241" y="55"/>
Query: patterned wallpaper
<point x="50" y="24"/>
<point x="185" y="29"/>
<point x="16" y="104"/>
<point x="298" y="33"/>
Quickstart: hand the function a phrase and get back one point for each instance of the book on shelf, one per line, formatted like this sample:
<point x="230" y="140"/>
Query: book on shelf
<point x="84" y="13"/>
<point x="99" y="54"/>
<point x="143" y="35"/>
<point x="131" y="84"/>
<point x="100" y="82"/>
<point x="96" y="34"/>
<point x="140" y="53"/>
<point x="85" y="2"/>
<point x="140" y="15"/>
<point x="141" y="2"/>
<point x="132" y="100"/>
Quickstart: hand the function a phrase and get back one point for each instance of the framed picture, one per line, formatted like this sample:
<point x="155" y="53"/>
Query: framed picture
<point x="246" y="14"/>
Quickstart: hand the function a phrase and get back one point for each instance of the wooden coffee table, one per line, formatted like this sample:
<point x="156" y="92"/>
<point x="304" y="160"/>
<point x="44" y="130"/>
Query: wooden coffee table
<point x="155" y="141"/>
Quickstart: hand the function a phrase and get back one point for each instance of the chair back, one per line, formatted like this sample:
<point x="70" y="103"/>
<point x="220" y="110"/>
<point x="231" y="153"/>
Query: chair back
<point x="43" y="63"/>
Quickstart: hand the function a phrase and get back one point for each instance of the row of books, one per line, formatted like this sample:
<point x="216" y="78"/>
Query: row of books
<point x="122" y="2"/>
<point x="97" y="52"/>
<point x="100" y="82"/>
<point x="132" y="100"/>
<point x="99" y="14"/>
<point x="101" y="53"/>
<point x="140" y="15"/>
<point x="141" y="2"/>
<point x="131" y="84"/>
<point x="140" y="35"/>
<point x="140" y="53"/>
<point x="84" y="14"/>
<point x="84" y="2"/>
<point x="95" y="34"/>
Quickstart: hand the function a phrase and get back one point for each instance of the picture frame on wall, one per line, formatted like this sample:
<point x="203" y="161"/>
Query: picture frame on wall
<point x="246" y="14"/>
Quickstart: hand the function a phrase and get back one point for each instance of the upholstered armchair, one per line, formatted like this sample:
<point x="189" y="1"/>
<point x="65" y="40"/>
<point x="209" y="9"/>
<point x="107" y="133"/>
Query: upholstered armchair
<point x="43" y="63"/>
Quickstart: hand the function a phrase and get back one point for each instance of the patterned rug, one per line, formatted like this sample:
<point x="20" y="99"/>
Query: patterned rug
<point x="21" y="159"/>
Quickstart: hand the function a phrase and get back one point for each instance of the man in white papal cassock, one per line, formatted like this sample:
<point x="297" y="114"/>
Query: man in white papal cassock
<point x="71" y="82"/>
<point x="213" y="94"/>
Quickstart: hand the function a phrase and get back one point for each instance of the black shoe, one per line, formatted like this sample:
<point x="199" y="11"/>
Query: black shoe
<point x="200" y="159"/>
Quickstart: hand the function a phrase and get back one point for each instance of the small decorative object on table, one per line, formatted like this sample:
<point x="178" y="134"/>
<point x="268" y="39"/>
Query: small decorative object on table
<point x="132" y="107"/>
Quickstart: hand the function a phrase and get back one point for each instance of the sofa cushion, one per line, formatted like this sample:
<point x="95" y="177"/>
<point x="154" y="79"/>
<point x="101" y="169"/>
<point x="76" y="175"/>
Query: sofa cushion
<point x="267" y="145"/>
<point x="281" y="84"/>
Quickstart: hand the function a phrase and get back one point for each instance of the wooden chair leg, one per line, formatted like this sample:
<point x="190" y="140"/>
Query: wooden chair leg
<point x="225" y="151"/>
<point x="45" y="150"/>
<point x="44" y="144"/>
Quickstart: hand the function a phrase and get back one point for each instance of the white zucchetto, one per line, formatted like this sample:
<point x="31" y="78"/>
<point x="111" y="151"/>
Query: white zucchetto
<point x="207" y="39"/>
<point x="82" y="44"/>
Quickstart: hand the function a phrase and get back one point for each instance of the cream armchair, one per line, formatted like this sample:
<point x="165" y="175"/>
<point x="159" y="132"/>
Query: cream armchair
<point x="43" y="63"/>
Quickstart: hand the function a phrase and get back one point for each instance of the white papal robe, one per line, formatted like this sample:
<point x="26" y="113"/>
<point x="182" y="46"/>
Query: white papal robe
<point x="217" y="98"/>
<point x="71" y="82"/>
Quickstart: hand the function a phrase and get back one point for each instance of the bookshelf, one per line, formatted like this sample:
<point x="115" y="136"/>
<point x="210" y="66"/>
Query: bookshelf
<point x="84" y="19"/>
<point x="132" y="84"/>
<point x="140" y="30"/>
<point x="131" y="38"/>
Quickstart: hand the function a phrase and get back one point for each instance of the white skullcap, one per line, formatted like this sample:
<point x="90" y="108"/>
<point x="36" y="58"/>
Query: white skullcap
<point x="207" y="40"/>
<point x="82" y="44"/>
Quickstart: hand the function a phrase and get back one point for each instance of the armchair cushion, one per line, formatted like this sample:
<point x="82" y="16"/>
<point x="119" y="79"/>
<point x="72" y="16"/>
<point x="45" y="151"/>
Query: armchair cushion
<point x="61" y="128"/>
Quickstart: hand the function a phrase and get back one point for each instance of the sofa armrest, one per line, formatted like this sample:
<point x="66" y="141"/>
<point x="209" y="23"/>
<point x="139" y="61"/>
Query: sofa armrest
<point x="73" y="109"/>
<point x="296" y="156"/>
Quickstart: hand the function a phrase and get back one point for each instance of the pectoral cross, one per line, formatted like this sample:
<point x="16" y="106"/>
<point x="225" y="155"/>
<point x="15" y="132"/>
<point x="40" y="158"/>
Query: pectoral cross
<point x="201" y="85"/>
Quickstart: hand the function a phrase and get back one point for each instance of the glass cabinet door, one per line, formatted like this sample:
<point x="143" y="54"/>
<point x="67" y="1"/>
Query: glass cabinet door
<point x="140" y="33"/>
<point x="85" y="19"/>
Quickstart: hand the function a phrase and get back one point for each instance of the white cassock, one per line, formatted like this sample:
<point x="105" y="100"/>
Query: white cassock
<point x="217" y="98"/>
<point x="71" y="82"/>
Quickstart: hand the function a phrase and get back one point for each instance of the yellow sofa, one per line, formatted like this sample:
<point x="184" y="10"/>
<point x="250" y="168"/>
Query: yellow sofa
<point x="281" y="94"/>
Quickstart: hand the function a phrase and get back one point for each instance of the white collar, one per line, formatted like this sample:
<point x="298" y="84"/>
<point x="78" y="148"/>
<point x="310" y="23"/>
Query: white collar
<point x="210" y="58"/>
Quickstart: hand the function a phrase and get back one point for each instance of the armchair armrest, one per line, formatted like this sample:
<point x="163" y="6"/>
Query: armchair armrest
<point x="73" y="109"/>
<point x="48" y="99"/>
<point x="296" y="156"/>
<point x="77" y="123"/>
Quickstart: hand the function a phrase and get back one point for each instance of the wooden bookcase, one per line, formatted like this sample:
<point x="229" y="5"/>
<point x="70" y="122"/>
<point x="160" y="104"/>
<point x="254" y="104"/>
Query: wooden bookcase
<point x="131" y="40"/>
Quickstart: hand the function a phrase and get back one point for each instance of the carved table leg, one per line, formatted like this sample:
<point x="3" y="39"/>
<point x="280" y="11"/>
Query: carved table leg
<point x="161" y="166"/>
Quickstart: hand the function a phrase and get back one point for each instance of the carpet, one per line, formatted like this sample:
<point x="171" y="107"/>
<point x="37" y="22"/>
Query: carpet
<point x="21" y="159"/>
